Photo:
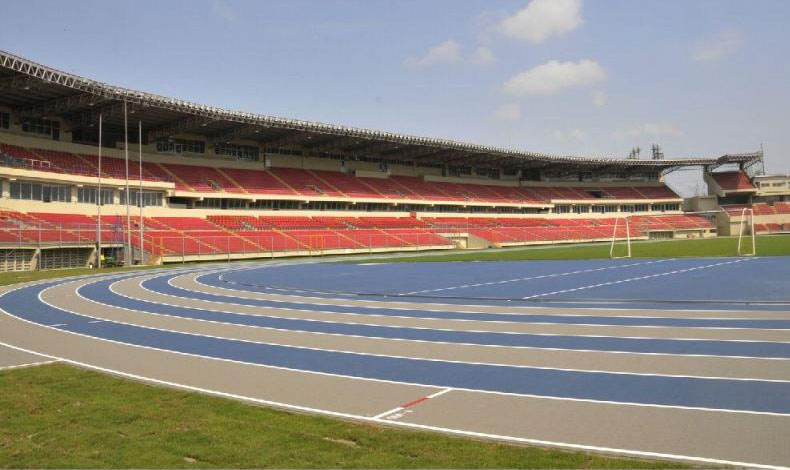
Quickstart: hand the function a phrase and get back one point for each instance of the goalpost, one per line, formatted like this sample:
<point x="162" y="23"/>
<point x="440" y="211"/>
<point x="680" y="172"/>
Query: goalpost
<point x="627" y="239"/>
<point x="746" y="223"/>
<point x="625" y="228"/>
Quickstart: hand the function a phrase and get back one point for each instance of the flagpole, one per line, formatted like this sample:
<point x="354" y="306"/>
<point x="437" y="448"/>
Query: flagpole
<point x="140" y="194"/>
<point x="98" y="204"/>
<point x="128" y="252"/>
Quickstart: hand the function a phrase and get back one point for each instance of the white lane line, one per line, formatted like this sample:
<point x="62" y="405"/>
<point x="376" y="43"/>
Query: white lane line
<point x="458" y="432"/>
<point x="275" y="315"/>
<point x="58" y="324"/>
<point x="640" y="278"/>
<point x="544" y="276"/>
<point x="426" y="307"/>
<point x="297" y="318"/>
<point x="96" y="321"/>
<point x="29" y="364"/>
<point x="410" y="358"/>
<point x="296" y="346"/>
<point x="397" y="412"/>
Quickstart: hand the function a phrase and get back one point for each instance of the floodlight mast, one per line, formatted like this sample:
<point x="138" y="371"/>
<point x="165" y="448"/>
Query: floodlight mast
<point x="98" y="204"/>
<point x="140" y="192"/>
<point x="128" y="250"/>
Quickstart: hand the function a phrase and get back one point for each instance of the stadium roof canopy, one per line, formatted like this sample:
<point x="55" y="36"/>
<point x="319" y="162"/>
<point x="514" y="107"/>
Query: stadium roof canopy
<point x="37" y="91"/>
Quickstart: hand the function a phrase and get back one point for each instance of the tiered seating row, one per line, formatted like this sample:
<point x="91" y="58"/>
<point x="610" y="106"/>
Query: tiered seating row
<point x="220" y="234"/>
<point x="507" y="230"/>
<point x="247" y="234"/>
<point x="760" y="208"/>
<point x="733" y="180"/>
<point x="319" y="183"/>
<point x="82" y="165"/>
<point x="772" y="228"/>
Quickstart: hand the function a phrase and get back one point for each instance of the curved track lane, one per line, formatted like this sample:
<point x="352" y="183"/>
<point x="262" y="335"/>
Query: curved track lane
<point x="709" y="386"/>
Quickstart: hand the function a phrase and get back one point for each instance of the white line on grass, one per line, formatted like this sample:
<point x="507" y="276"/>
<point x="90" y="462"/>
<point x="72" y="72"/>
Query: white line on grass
<point x="543" y="276"/>
<point x="29" y="364"/>
<point x="640" y="278"/>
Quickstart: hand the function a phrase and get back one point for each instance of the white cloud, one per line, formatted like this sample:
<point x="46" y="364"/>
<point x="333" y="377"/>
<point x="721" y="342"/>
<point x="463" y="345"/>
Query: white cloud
<point x="571" y="135"/>
<point x="482" y="56"/>
<point x="554" y="76"/>
<point x="715" y="48"/>
<point x="448" y="52"/>
<point x="651" y="129"/>
<point x="541" y="19"/>
<point x="222" y="11"/>
<point x="508" y="112"/>
<point x="599" y="99"/>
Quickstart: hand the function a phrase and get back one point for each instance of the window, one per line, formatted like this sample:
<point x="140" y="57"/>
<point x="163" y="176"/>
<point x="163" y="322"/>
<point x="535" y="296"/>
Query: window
<point x="88" y="195"/>
<point x="221" y="203"/>
<point x="666" y="207"/>
<point x="150" y="198"/>
<point x="40" y="192"/>
<point x="239" y="152"/>
<point x="604" y="209"/>
<point x="42" y="126"/>
<point x="562" y="209"/>
<point x="581" y="209"/>
<point x="491" y="173"/>
<point x="180" y="146"/>
<point x="459" y="171"/>
<point x="5" y="120"/>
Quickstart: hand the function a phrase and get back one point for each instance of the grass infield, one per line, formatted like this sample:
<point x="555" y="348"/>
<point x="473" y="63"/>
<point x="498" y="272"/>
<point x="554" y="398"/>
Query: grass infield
<point x="57" y="416"/>
<point x="767" y="245"/>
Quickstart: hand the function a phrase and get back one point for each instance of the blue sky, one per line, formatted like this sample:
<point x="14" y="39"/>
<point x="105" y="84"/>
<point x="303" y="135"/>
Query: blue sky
<point x="589" y="77"/>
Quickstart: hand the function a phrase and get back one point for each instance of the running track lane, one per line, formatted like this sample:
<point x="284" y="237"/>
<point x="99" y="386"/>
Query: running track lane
<point x="99" y="291"/>
<point x="162" y="285"/>
<point x="717" y="394"/>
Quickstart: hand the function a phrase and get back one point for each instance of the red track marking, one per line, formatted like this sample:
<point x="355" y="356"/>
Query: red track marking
<point x="415" y="402"/>
<point x="395" y="413"/>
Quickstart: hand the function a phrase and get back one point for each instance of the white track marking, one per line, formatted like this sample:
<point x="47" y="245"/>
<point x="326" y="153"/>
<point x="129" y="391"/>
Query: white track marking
<point x="424" y="306"/>
<point x="458" y="432"/>
<point x="29" y="364"/>
<point x="543" y="276"/>
<point x="397" y="410"/>
<point x="417" y="328"/>
<point x="231" y="312"/>
<point x="385" y="380"/>
<point x="418" y="341"/>
<point x="388" y="412"/>
<point x="367" y="379"/>
<point x="580" y="322"/>
<point x="640" y="278"/>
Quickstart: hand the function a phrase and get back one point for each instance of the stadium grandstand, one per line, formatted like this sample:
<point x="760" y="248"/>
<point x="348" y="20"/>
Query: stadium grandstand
<point x="89" y="168"/>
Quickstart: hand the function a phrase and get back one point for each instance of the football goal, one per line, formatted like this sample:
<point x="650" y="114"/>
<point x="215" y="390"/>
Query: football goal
<point x="621" y="231"/>
<point x="747" y="244"/>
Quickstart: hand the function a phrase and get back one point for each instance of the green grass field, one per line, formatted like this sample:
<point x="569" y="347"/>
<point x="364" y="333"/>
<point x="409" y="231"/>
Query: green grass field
<point x="767" y="245"/>
<point x="27" y="276"/>
<point x="56" y="416"/>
